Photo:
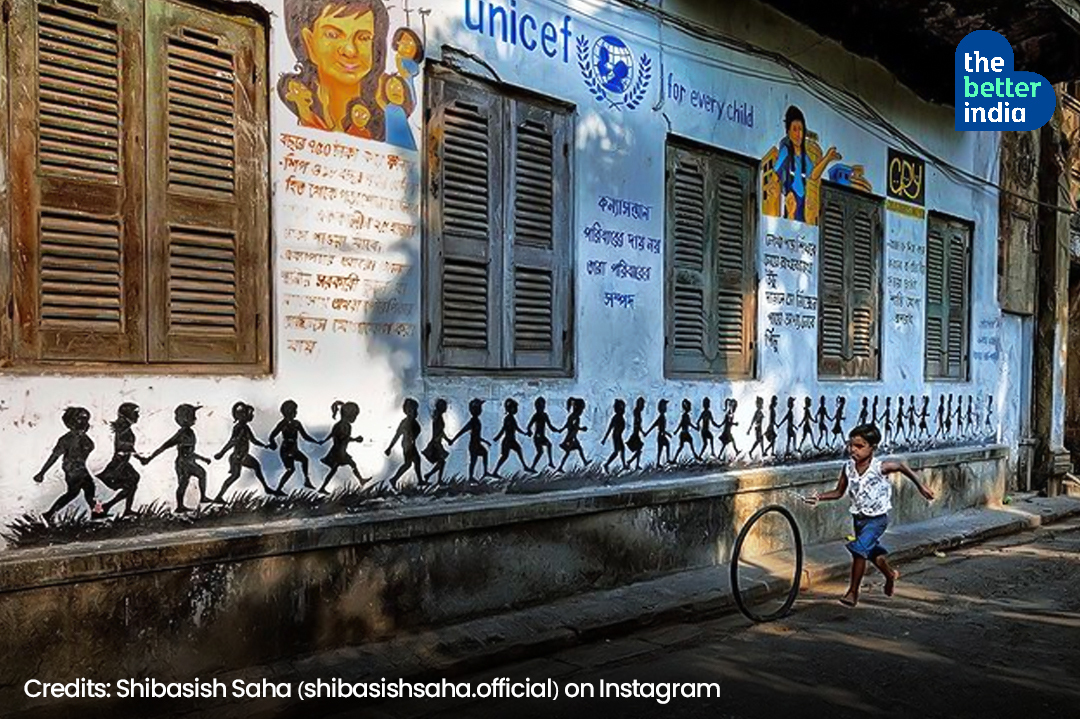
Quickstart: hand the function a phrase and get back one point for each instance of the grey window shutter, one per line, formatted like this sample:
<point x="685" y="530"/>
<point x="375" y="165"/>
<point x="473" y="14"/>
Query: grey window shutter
<point x="959" y="273"/>
<point x="864" y="290"/>
<point x="735" y="268"/>
<point x="464" y="222"/>
<point x="937" y="301"/>
<point x="832" y="299"/>
<point x="691" y="345"/>
<point x="536" y="292"/>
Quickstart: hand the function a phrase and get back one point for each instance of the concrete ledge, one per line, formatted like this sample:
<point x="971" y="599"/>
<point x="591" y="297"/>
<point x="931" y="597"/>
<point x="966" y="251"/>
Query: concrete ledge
<point x="84" y="561"/>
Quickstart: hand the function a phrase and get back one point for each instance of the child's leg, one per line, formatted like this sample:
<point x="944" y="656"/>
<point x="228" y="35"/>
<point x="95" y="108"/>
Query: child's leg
<point x="302" y="458"/>
<point x="521" y="458"/>
<point x="181" y="490"/>
<point x="891" y="575"/>
<point x="858" y="568"/>
<point x="285" y="477"/>
<point x="234" y="474"/>
<point x="328" y="477"/>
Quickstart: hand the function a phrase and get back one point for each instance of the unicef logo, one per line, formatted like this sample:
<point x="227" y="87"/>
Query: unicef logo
<point x="609" y="72"/>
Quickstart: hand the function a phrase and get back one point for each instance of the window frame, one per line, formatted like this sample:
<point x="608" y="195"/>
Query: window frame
<point x="965" y="364"/>
<point x="253" y="29"/>
<point x="715" y="158"/>
<point x="845" y="374"/>
<point x="504" y="359"/>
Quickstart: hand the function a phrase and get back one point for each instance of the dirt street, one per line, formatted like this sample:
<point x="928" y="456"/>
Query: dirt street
<point x="988" y="631"/>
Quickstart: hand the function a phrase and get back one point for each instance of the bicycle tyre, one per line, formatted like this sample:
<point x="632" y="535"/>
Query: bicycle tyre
<point x="736" y="591"/>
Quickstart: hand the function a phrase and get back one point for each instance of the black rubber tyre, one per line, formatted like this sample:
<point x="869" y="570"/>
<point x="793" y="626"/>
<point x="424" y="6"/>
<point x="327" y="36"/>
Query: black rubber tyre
<point x="737" y="591"/>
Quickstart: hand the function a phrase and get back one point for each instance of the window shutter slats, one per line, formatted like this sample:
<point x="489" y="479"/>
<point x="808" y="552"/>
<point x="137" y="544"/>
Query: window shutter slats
<point x="936" y="301"/>
<point x="864" y="291"/>
<point x="734" y="277"/>
<point x="958" y="289"/>
<point x="831" y="291"/>
<point x="690" y="347"/>
<point x="539" y="224"/>
<point x="208" y="241"/>
<point x="77" y="181"/>
<point x="464" y="134"/>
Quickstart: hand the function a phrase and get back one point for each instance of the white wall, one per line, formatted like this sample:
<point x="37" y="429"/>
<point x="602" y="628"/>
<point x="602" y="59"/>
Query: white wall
<point x="619" y="351"/>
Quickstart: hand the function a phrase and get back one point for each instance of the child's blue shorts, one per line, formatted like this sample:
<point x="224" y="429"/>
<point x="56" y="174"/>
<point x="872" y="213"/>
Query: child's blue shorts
<point x="868" y="531"/>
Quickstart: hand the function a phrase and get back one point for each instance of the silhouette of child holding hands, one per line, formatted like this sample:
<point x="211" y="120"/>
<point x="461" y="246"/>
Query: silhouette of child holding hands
<point x="615" y="430"/>
<point x="508" y="434"/>
<point x="73" y="447"/>
<point x="477" y="444"/>
<point x="291" y="430"/>
<point x="187" y="458"/>
<point x="240" y="443"/>
<point x="538" y="427"/>
<point x="408" y="432"/>
<point x="340" y="436"/>
<point x="435" y="452"/>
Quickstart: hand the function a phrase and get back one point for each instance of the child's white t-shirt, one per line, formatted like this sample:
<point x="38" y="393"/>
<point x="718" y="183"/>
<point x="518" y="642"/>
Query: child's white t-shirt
<point x="871" y="493"/>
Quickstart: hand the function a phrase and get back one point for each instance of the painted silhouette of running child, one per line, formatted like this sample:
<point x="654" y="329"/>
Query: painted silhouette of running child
<point x="340" y="436"/>
<point x="686" y="423"/>
<point x="706" y="422"/>
<point x="726" y="435"/>
<point x="187" y="458"/>
<point x="807" y="424"/>
<point x="616" y="429"/>
<point x="887" y="418"/>
<point x="901" y="416"/>
<point x="408" y="432"/>
<point x="864" y="412"/>
<point x="291" y="430"/>
<point x="636" y="443"/>
<point x="788" y="421"/>
<point x="240" y="443"/>
<point x="838" y="422"/>
<point x="477" y="444"/>
<point x="118" y="474"/>
<point x="823" y="419"/>
<point x="924" y="414"/>
<point x="435" y="453"/>
<point x="538" y="427"/>
<point x="73" y="447"/>
<point x="508" y="434"/>
<point x="755" y="427"/>
<point x="573" y="428"/>
<point x="663" y="437"/>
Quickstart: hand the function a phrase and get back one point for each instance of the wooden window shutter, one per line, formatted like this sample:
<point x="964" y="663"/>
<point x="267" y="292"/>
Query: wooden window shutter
<point x="735" y="273"/>
<point x="206" y="200"/>
<point x="937" y="301"/>
<point x="832" y="294"/>
<point x="538" y="219"/>
<point x="864" y="290"/>
<point x="465" y="219"/>
<point x="77" y="180"/>
<point x="691" y="343"/>
<point x="959" y="282"/>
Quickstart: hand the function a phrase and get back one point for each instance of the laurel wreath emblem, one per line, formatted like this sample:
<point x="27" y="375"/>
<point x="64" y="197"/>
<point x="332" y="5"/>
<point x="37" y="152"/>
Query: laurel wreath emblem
<point x="632" y="97"/>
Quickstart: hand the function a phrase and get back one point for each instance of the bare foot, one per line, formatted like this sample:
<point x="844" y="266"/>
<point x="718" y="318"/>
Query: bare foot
<point x="890" y="583"/>
<point x="849" y="599"/>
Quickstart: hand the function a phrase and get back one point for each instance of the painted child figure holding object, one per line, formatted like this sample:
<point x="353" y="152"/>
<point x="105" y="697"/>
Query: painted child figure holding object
<point x="864" y="479"/>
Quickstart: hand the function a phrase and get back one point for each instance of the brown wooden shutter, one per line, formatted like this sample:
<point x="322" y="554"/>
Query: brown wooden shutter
<point x="937" y="302"/>
<point x="959" y="239"/>
<point x="206" y="203"/>
<point x="77" y="180"/>
<point x="465" y="219"/>
<point x="864" y="290"/>
<point x="539" y="225"/>
<point x="735" y="268"/>
<point x="832" y="293"/>
<point x="691" y="344"/>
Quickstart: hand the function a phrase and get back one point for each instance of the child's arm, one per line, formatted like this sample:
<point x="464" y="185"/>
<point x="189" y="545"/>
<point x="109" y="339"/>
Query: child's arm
<point x="837" y="493"/>
<point x="610" y="428"/>
<point x="462" y="431"/>
<point x="228" y="445"/>
<point x="271" y="444"/>
<point x="395" y="439"/>
<point x="57" y="452"/>
<point x="255" y="440"/>
<point x="904" y="469"/>
<point x="303" y="433"/>
<point x="500" y="434"/>
<point x="170" y="442"/>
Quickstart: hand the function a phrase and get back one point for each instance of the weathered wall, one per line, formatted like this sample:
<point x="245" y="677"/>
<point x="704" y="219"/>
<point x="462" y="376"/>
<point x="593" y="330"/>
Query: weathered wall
<point x="346" y="244"/>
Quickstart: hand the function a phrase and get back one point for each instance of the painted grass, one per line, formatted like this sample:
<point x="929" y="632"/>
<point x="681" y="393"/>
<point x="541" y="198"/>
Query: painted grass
<point x="73" y="524"/>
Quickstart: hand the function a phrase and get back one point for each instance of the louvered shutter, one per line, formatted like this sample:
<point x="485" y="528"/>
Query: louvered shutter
<point x="464" y="224"/>
<point x="937" y="305"/>
<point x="77" y="180"/>
<point x="864" y="290"/>
<point x="734" y="257"/>
<point x="691" y="343"/>
<point x="536" y="293"/>
<point x="206" y="204"/>
<point x="959" y="271"/>
<point x="832" y="294"/>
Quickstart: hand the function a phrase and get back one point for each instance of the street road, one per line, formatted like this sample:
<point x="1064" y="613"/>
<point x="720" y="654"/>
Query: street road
<point x="988" y="631"/>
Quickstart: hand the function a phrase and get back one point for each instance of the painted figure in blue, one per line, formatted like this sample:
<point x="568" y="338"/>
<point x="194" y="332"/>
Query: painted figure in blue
<point x="291" y="430"/>
<point x="614" y="71"/>
<point x="408" y="55"/>
<point x="408" y="432"/>
<point x="616" y="429"/>
<point x="795" y="168"/>
<point x="508" y="434"/>
<point x="240" y="443"/>
<point x="663" y="437"/>
<point x="538" y="427"/>
<point x="705" y="423"/>
<point x="397" y="102"/>
<point x="74" y="447"/>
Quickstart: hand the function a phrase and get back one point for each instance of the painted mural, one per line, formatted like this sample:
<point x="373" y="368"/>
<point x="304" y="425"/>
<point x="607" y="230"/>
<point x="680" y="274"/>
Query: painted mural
<point x="818" y="432"/>
<point x="792" y="171"/>
<point x="340" y="82"/>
